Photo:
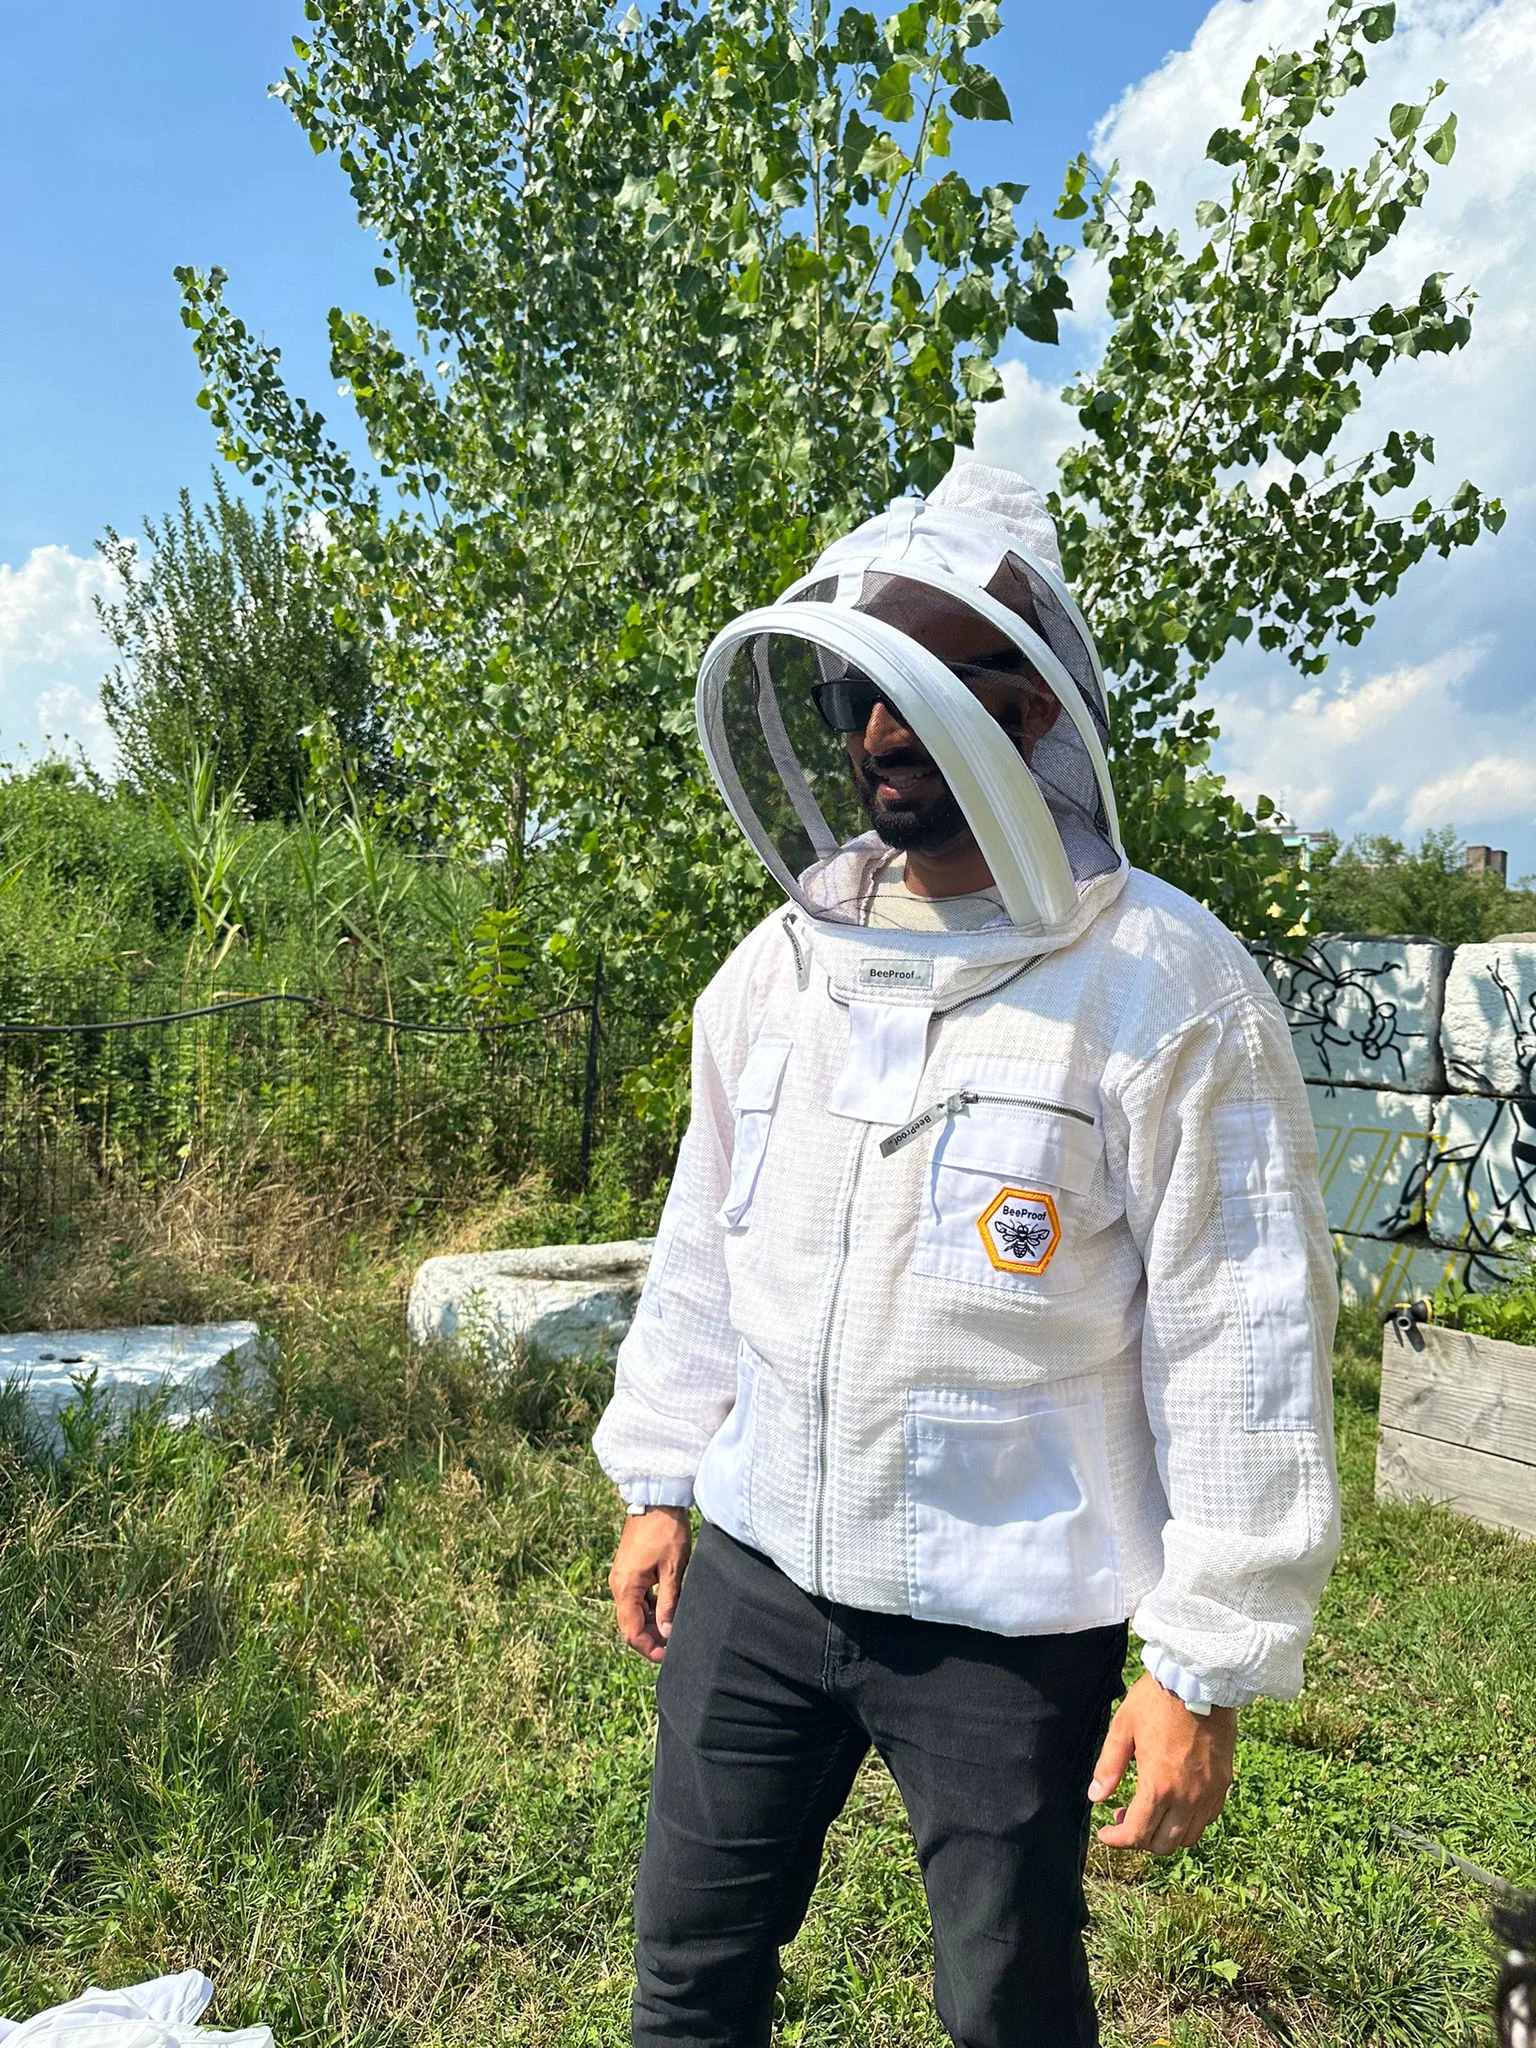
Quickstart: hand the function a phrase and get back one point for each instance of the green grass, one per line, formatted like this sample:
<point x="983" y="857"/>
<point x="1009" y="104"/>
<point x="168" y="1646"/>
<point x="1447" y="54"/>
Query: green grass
<point x="326" y="1700"/>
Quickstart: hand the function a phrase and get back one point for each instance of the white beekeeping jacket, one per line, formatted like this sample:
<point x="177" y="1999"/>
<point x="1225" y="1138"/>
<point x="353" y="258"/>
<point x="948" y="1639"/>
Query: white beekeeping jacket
<point x="994" y="1285"/>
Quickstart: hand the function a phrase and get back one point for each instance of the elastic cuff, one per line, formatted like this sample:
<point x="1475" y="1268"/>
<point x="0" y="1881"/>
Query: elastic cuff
<point x="1172" y="1677"/>
<point x="656" y="1493"/>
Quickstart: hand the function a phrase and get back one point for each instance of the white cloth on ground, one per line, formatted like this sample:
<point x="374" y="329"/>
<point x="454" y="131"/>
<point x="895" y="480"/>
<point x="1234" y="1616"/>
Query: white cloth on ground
<point x="161" y="2013"/>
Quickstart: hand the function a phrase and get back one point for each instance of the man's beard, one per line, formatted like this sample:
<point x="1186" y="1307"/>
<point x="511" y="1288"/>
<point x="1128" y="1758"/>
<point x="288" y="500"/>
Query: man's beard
<point x="920" y="827"/>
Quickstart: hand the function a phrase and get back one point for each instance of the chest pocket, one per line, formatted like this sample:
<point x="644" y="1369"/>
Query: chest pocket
<point x="757" y="1096"/>
<point x="1003" y="1194"/>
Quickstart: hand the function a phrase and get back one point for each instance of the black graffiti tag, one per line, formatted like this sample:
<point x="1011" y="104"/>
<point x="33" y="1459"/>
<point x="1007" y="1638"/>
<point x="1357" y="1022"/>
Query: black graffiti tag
<point x="1341" y="1010"/>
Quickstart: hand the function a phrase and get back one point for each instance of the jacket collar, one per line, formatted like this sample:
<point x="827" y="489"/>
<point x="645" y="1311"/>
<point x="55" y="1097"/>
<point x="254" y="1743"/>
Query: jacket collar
<point x="929" y="970"/>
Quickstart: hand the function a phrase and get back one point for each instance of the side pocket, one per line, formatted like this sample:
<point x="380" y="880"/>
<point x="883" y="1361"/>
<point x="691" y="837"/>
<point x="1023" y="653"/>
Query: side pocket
<point x="1269" y="1261"/>
<point x="1010" y="1512"/>
<point x="1267" y="1252"/>
<point x="722" y="1486"/>
<point x="757" y="1094"/>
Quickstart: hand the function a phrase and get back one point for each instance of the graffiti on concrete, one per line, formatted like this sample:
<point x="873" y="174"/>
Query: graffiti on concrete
<point x="1345" y="1012"/>
<point x="1421" y="1072"/>
<point x="1479" y="1192"/>
<point x="1470" y="1075"/>
<point x="1372" y="1144"/>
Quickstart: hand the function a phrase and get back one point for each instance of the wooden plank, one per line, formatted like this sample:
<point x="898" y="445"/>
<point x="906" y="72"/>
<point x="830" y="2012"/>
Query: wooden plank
<point x="1459" y="1389"/>
<point x="1499" y="1492"/>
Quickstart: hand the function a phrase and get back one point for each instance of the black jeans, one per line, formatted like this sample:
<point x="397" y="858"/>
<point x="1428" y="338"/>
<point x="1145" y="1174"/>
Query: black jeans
<point x="768" y="1700"/>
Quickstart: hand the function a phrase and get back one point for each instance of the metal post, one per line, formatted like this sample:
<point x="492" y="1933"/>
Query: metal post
<point x="589" y="1091"/>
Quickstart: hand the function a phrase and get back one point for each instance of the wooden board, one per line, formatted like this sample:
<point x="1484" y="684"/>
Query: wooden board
<point x="1458" y="1425"/>
<point x="1460" y="1389"/>
<point x="1496" y="1491"/>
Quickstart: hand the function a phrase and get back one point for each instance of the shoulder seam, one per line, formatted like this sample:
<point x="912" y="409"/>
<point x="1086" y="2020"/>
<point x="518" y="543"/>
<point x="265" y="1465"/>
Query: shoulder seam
<point x="1243" y="998"/>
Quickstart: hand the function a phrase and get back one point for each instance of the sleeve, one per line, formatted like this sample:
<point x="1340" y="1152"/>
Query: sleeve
<point x="675" y="1379"/>
<point x="1224" y="1202"/>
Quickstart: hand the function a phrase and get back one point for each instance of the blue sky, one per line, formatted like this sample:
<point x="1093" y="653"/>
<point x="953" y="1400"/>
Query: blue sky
<point x="145" y="138"/>
<point x="142" y="137"/>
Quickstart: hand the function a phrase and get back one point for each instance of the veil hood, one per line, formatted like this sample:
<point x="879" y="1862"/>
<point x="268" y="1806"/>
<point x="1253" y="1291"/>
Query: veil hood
<point x="904" y="600"/>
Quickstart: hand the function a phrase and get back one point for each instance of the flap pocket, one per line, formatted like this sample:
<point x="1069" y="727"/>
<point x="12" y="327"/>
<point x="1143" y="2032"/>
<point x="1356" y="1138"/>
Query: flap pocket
<point x="1267" y="1250"/>
<point x="722" y="1486"/>
<point x="1268" y="1255"/>
<point x="758" y="1087"/>
<point x="757" y="1095"/>
<point x="1010" y="1514"/>
<point x="1023" y="1143"/>
<point x="1000" y="1208"/>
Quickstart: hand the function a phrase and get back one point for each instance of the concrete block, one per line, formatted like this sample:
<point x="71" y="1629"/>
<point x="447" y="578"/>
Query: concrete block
<point x="1373" y="1152"/>
<point x="130" y="1364"/>
<point x="1363" y="1011"/>
<point x="1482" y="1176"/>
<point x="562" y="1301"/>
<point x="1488" y="1031"/>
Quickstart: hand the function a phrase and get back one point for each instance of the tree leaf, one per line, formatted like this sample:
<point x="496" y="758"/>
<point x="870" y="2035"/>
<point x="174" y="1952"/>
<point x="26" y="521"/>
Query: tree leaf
<point x="979" y="96"/>
<point x="891" y="94"/>
<point x="1440" y="147"/>
<point x="1405" y="118"/>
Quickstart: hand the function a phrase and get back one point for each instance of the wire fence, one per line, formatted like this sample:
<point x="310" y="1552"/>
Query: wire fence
<point x="103" y="1083"/>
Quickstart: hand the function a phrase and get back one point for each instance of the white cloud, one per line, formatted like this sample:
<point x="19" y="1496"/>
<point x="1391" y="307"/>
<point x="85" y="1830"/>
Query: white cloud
<point x="1399" y="750"/>
<point x="53" y="655"/>
<point x="1027" y="429"/>
<point x="1429" y="722"/>
<point x="1498" y="785"/>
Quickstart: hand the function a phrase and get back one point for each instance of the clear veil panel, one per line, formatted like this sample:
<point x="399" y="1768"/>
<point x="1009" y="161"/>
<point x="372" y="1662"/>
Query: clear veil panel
<point x="793" y="786"/>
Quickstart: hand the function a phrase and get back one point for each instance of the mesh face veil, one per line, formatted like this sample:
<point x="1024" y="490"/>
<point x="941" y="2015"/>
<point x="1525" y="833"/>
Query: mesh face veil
<point x="950" y="612"/>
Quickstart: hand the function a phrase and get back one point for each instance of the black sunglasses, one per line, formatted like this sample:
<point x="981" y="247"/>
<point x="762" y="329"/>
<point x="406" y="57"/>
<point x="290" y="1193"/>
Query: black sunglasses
<point x="848" y="703"/>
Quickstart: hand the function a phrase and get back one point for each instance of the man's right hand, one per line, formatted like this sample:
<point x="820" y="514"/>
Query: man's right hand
<point x="647" y="1575"/>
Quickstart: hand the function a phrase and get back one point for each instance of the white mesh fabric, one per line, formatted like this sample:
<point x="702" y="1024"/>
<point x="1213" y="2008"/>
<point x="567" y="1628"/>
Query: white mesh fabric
<point x="1004" y="501"/>
<point x="952" y="574"/>
<point x="1223" y="1525"/>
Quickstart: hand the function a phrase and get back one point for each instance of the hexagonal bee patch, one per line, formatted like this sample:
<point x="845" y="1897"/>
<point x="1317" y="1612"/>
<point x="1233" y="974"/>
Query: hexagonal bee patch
<point x="1021" y="1230"/>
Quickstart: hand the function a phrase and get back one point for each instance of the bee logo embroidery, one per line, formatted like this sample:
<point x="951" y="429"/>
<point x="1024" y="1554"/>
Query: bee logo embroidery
<point x="1020" y="1230"/>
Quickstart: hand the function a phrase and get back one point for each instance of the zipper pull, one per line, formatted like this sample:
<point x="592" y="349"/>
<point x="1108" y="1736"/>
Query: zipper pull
<point x="802" y="957"/>
<point x="941" y="1112"/>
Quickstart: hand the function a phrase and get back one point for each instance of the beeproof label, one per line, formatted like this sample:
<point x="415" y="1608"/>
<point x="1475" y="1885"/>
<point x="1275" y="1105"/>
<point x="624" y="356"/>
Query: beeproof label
<point x="1021" y="1230"/>
<point x="899" y="974"/>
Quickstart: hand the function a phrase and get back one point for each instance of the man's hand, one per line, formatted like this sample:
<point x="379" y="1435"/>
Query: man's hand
<point x="1183" y="1769"/>
<point x="647" y="1575"/>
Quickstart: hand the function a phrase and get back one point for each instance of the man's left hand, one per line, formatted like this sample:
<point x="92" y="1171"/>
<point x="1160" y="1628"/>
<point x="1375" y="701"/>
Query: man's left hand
<point x="1183" y="1769"/>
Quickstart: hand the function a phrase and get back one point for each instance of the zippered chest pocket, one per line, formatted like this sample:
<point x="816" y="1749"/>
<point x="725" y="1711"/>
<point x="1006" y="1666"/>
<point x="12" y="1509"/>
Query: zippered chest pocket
<point x="1003" y="1195"/>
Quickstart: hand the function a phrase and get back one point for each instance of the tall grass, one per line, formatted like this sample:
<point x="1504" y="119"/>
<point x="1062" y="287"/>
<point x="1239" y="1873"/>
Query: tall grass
<point x="326" y="1699"/>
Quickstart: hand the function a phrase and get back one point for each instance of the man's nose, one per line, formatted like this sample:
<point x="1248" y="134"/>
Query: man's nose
<point x="884" y="730"/>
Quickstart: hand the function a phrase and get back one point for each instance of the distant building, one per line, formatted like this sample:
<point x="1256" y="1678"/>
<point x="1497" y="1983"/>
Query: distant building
<point x="1488" y="860"/>
<point x="1303" y="844"/>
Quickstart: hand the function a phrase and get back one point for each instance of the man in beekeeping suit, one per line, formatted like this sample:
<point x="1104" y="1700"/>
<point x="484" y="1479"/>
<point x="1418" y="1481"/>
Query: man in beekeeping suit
<point x="991" y="1306"/>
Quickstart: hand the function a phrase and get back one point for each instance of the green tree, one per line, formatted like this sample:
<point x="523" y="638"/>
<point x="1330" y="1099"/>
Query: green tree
<point x="691" y="291"/>
<point x="1375" y="884"/>
<point x="1230" y="364"/>
<point x="230" y="656"/>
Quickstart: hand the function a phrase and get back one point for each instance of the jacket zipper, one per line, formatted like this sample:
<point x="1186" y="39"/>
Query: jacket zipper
<point x="959" y="1104"/>
<point x="824" y="1376"/>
